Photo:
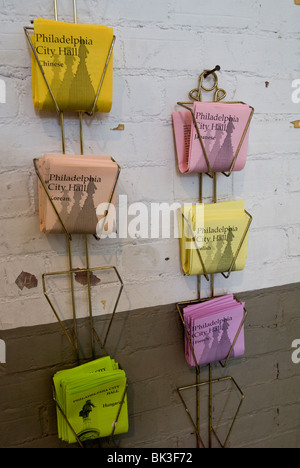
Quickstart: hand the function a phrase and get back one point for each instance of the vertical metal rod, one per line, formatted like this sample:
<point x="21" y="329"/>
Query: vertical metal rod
<point x="55" y="10"/>
<point x="81" y="133"/>
<point x="90" y="296"/>
<point x="201" y="188"/>
<point x="212" y="292"/>
<point x="198" y="369"/>
<point x="212" y="277"/>
<point x="200" y="201"/>
<point x="212" y="285"/>
<point x="86" y="236"/>
<point x="199" y="287"/>
<point x="73" y="298"/>
<point x="198" y="405"/>
<point x="75" y="11"/>
<point x="61" y="114"/>
<point x="210" y="406"/>
<point x="215" y="188"/>
<point x="62" y="125"/>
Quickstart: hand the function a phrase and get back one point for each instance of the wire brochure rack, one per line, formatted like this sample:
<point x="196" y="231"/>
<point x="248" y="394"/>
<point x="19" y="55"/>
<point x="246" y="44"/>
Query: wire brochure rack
<point x="196" y="95"/>
<point x="71" y="272"/>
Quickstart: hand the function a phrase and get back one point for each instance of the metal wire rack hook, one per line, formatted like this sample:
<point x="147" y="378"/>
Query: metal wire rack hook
<point x="219" y="95"/>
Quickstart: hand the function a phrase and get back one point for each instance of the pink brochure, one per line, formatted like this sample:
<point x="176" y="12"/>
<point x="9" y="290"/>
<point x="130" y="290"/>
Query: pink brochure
<point x="224" y="133"/>
<point x="213" y="328"/>
<point x="83" y="191"/>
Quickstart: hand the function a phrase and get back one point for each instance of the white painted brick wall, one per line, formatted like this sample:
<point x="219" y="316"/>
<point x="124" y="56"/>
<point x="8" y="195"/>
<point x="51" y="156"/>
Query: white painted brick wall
<point x="161" y="48"/>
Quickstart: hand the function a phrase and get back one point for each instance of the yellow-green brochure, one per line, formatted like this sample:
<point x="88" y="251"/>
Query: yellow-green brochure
<point x="93" y="400"/>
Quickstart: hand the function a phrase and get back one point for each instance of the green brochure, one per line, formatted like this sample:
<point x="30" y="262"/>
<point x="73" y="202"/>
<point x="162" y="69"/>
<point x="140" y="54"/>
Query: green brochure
<point x="93" y="400"/>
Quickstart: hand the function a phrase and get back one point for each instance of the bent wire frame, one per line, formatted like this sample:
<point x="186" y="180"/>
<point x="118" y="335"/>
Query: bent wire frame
<point x="93" y="334"/>
<point x="210" y="382"/>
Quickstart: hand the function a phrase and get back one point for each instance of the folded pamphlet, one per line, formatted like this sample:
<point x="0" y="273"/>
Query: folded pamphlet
<point x="224" y="130"/>
<point x="73" y="59"/>
<point x="214" y="329"/>
<point x="211" y="234"/>
<point x="83" y="191"/>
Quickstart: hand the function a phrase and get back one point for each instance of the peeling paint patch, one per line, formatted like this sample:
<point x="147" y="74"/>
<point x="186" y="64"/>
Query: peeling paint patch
<point x="82" y="278"/>
<point x="120" y="127"/>
<point x="26" y="280"/>
<point x="296" y="123"/>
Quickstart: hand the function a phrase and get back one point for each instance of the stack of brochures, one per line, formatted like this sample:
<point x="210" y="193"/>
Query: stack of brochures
<point x="92" y="401"/>
<point x="214" y="330"/>
<point x="211" y="236"/>
<point x="73" y="58"/>
<point x="224" y="131"/>
<point x="83" y="191"/>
